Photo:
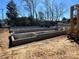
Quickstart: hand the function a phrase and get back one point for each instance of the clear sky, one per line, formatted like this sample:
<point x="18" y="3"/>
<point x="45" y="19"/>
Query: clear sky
<point x="3" y="4"/>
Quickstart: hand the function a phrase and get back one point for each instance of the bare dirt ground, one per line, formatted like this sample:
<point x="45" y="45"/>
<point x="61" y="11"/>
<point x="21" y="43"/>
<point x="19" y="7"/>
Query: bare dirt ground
<point x="54" y="48"/>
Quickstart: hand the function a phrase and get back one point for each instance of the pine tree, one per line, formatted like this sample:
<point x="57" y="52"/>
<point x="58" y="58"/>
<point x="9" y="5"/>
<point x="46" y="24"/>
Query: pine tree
<point x="11" y="10"/>
<point x="12" y="13"/>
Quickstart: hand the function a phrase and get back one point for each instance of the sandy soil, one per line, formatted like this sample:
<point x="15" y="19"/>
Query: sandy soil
<point x="54" y="48"/>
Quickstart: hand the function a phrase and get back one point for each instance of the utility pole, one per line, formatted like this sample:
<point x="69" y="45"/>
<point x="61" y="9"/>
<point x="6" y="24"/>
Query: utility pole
<point x="2" y="14"/>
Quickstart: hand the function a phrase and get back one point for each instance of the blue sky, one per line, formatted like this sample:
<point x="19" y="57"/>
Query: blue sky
<point x="3" y="4"/>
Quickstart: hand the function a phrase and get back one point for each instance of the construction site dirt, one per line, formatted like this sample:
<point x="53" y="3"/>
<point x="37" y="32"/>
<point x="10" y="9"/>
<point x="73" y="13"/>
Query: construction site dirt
<point x="53" y="48"/>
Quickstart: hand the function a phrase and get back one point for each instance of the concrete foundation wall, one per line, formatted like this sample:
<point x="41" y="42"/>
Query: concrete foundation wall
<point x="32" y="30"/>
<point x="37" y="38"/>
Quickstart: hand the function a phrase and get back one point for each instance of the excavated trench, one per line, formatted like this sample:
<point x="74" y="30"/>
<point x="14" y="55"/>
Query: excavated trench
<point x="24" y="38"/>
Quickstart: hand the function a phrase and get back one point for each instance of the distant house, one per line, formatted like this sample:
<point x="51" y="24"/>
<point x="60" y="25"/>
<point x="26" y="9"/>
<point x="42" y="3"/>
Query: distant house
<point x="63" y="26"/>
<point x="3" y="24"/>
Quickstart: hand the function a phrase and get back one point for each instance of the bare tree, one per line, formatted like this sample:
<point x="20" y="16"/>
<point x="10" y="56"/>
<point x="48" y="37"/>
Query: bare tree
<point x="48" y="9"/>
<point x="31" y="5"/>
<point x="27" y="5"/>
<point x="34" y="4"/>
<point x="53" y="9"/>
<point x="46" y="4"/>
<point x="59" y="9"/>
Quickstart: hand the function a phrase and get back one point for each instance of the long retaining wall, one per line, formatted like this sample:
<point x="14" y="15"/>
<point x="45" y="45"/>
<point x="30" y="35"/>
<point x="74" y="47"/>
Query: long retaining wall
<point x="39" y="37"/>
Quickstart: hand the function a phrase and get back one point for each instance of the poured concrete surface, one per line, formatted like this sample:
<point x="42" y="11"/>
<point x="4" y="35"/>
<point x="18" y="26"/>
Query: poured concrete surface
<point x="30" y="29"/>
<point x="31" y="34"/>
<point x="54" y="48"/>
<point x="24" y="38"/>
<point x="23" y="35"/>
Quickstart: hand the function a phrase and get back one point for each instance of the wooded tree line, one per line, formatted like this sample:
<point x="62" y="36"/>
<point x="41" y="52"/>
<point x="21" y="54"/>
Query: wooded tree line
<point x="50" y="12"/>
